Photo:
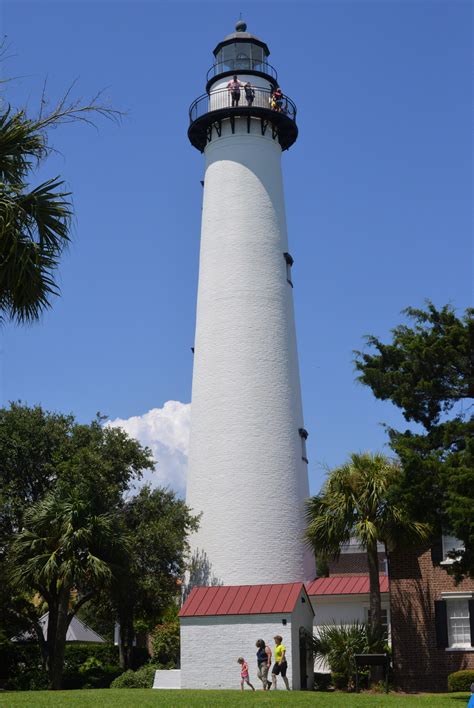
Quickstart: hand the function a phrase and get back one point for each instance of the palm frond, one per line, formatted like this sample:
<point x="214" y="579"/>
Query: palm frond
<point x="34" y="230"/>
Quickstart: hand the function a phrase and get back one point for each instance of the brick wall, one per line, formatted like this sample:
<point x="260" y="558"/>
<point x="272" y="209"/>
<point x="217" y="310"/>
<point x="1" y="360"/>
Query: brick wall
<point x="415" y="585"/>
<point x="353" y="564"/>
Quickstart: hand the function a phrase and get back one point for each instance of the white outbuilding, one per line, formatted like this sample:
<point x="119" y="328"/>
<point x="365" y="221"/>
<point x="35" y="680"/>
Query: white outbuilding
<point x="221" y="623"/>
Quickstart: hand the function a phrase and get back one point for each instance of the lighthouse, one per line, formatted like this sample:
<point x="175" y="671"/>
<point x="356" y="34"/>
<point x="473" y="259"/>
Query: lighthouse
<point x="247" y="473"/>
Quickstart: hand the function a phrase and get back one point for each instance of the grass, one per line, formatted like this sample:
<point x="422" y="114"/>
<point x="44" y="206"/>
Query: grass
<point x="138" y="697"/>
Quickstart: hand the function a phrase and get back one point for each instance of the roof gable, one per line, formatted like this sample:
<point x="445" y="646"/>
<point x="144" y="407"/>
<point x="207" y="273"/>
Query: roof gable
<point x="242" y="600"/>
<point x="77" y="631"/>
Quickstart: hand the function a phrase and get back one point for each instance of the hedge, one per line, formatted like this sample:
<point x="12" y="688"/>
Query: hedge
<point x="143" y="678"/>
<point x="85" y="665"/>
<point x="461" y="680"/>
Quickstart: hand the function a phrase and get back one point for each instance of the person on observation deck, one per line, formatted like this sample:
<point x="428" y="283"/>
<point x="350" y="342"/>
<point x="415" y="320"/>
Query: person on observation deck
<point x="233" y="88"/>
<point x="276" y="100"/>
<point x="249" y="93"/>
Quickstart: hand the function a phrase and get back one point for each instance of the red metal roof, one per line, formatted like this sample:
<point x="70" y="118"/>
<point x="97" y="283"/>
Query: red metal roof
<point x="242" y="600"/>
<point x="344" y="585"/>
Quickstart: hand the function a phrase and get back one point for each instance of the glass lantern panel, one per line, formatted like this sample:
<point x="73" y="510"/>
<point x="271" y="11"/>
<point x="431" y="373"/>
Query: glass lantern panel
<point x="240" y="56"/>
<point x="258" y="57"/>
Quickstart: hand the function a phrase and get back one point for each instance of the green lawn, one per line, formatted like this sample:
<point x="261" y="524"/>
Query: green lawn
<point x="136" y="698"/>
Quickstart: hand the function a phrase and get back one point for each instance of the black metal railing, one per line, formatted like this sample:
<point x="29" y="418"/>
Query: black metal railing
<point x="255" y="97"/>
<point x="240" y="66"/>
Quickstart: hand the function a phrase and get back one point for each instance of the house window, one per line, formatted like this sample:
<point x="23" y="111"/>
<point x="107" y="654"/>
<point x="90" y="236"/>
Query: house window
<point x="454" y="621"/>
<point x="353" y="545"/>
<point x="289" y="262"/>
<point x="450" y="544"/>
<point x="303" y="435"/>
<point x="442" y="548"/>
<point x="459" y="629"/>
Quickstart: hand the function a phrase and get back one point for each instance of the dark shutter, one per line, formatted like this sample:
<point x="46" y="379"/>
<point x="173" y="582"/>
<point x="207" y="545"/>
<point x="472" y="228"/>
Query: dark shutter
<point x="471" y="619"/>
<point x="437" y="551"/>
<point x="441" y="624"/>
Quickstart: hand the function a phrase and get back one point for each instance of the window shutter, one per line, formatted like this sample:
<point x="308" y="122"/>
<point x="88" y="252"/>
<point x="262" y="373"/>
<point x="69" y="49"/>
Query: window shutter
<point x="471" y="619"/>
<point x="441" y="624"/>
<point x="437" y="551"/>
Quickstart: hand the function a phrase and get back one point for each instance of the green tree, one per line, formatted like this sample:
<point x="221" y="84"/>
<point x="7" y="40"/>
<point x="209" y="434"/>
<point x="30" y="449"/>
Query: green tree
<point x="30" y="444"/>
<point x="355" y="502"/>
<point x="428" y="372"/>
<point x="39" y="451"/>
<point x="34" y="221"/>
<point x="65" y="553"/>
<point x="157" y="523"/>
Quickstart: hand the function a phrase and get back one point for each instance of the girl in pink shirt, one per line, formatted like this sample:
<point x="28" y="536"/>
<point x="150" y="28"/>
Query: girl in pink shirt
<point x="244" y="673"/>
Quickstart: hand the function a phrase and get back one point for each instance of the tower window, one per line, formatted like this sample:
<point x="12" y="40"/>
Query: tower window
<point x="289" y="262"/>
<point x="303" y="435"/>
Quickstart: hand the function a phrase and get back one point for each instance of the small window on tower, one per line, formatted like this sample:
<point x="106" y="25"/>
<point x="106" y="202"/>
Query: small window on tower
<point x="289" y="262"/>
<point x="303" y="435"/>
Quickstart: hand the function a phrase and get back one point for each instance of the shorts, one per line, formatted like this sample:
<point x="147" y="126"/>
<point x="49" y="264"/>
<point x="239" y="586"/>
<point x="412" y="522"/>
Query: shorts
<point x="280" y="668"/>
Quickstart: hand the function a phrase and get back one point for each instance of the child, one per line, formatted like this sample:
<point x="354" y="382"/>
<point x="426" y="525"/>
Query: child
<point x="244" y="673"/>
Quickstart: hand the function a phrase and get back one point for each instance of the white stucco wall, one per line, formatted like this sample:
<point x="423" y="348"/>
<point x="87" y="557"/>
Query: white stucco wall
<point x="246" y="474"/>
<point x="210" y="647"/>
<point x="343" y="609"/>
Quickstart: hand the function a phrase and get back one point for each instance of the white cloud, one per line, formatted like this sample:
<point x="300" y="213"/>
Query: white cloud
<point x="166" y="431"/>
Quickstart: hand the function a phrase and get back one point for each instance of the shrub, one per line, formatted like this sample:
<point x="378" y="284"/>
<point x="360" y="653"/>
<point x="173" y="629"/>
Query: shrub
<point x="339" y="680"/>
<point x="85" y="665"/>
<point x="143" y="678"/>
<point x="337" y="644"/>
<point x="30" y="679"/>
<point x="321" y="681"/>
<point x="94" y="674"/>
<point x="461" y="680"/>
<point x="165" y="644"/>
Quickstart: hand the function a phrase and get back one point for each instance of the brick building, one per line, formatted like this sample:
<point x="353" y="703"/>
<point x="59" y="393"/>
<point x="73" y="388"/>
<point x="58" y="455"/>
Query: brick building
<point x="432" y="618"/>
<point x="353" y="560"/>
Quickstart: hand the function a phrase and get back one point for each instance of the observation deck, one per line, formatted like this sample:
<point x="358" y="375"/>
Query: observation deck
<point x="208" y="111"/>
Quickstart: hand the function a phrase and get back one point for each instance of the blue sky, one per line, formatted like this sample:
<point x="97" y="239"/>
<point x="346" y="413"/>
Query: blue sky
<point x="378" y="197"/>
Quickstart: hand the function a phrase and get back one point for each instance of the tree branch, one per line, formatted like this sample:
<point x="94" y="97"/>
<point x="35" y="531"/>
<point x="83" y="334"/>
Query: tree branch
<point x="82" y="601"/>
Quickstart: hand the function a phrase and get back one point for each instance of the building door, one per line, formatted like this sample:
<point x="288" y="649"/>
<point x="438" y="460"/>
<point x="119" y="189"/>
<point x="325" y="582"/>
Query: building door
<point x="304" y="648"/>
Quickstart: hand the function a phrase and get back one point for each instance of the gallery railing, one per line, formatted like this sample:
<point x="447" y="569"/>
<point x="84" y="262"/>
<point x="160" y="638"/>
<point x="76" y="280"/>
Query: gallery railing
<point x="254" y="97"/>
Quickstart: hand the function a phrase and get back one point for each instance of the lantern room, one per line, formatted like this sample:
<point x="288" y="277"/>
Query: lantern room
<point x="241" y="52"/>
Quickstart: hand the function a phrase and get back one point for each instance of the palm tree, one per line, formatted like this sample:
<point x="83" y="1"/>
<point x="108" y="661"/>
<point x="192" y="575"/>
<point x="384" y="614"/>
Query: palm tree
<point x="66" y="552"/>
<point x="337" y="644"/>
<point x="356" y="502"/>
<point x="34" y="223"/>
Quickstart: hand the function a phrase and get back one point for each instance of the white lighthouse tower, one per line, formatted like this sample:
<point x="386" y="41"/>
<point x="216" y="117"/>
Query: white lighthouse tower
<point x="247" y="471"/>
